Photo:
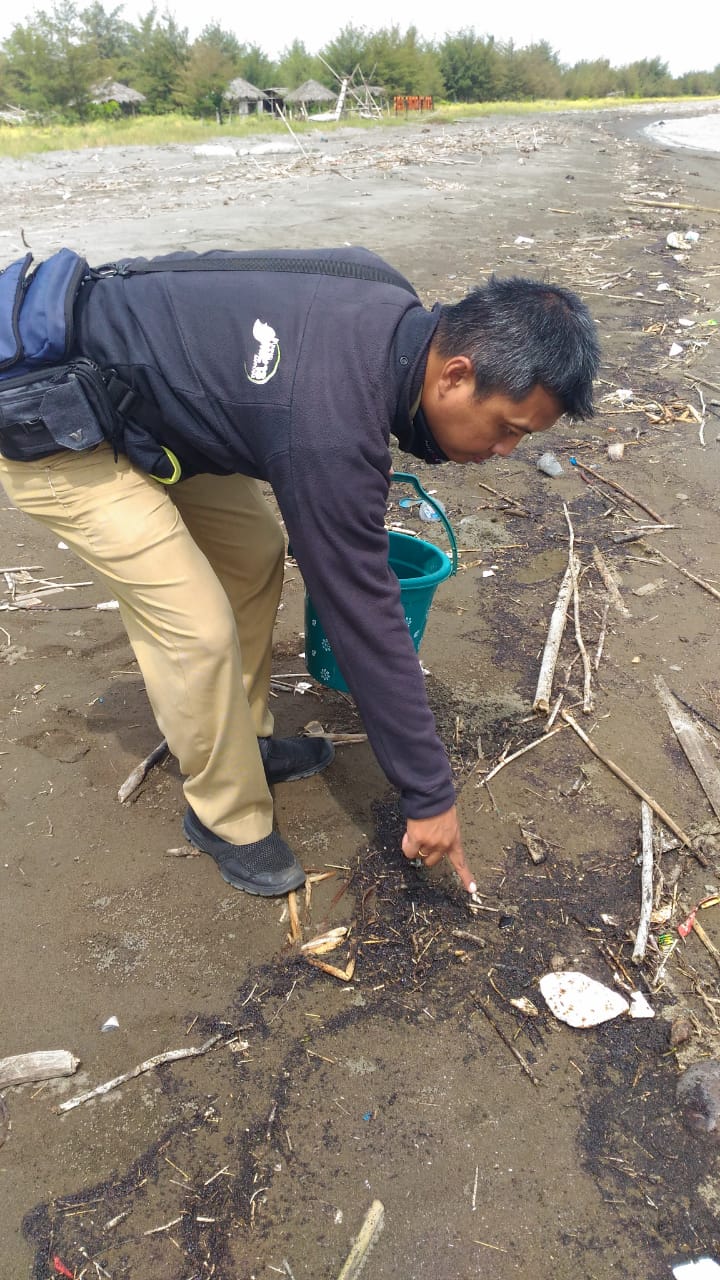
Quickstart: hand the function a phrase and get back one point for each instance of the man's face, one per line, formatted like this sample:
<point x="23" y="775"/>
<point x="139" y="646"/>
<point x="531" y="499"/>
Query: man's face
<point x="472" y="429"/>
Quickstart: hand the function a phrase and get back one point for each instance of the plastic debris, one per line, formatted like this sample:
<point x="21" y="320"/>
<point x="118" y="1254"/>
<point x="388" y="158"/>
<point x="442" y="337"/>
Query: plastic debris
<point x="662" y="287"/>
<point x="63" y="546"/>
<point x="524" y="240"/>
<point x="692" y="236"/>
<point x="676" y="349"/>
<point x="698" y="1096"/>
<point x="427" y="511"/>
<point x="580" y="1001"/>
<point x="698" y="1269"/>
<point x="110" y="1024"/>
<point x="686" y="323"/>
<point x="549" y="465"/>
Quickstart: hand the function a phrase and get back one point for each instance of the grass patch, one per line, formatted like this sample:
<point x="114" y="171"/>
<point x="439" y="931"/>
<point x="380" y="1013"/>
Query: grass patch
<point x="147" y="131"/>
<point x="158" y="131"/>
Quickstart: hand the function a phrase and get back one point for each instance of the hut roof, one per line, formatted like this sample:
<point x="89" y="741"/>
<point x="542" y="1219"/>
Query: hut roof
<point x="113" y="91"/>
<point x="311" y="91"/>
<point x="240" y="90"/>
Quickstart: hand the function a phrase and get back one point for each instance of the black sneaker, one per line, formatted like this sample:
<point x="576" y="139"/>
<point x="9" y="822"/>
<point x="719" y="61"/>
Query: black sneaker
<point x="267" y="867"/>
<point x="287" y="759"/>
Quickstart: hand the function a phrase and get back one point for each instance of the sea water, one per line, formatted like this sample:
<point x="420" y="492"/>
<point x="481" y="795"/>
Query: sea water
<point x="698" y="133"/>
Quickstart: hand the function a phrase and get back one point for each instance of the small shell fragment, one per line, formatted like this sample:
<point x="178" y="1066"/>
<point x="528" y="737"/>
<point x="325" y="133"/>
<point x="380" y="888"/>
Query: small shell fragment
<point x="525" y="1006"/>
<point x="110" y="1024"/>
<point x="639" y="1006"/>
<point x="326" y="941"/>
<point x="580" y="1001"/>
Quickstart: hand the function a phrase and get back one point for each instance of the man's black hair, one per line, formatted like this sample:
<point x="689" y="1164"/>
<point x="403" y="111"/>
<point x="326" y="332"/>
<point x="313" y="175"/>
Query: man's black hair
<point x="523" y="333"/>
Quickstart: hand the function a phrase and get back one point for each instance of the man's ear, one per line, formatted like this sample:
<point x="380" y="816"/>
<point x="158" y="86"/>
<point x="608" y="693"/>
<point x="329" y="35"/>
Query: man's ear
<point x="455" y="371"/>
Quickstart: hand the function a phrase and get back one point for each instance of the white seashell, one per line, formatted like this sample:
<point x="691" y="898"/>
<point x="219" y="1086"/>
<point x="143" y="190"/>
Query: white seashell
<point x="676" y="349"/>
<point x="580" y="1001"/>
<point x="697" y="1269"/>
<point x="110" y="1024"/>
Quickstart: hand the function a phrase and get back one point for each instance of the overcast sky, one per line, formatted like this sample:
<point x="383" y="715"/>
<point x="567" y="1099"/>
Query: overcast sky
<point x="687" y="37"/>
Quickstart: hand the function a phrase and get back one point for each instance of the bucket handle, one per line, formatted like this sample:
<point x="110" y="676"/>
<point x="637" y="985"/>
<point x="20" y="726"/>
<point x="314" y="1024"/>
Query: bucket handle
<point x="406" y="477"/>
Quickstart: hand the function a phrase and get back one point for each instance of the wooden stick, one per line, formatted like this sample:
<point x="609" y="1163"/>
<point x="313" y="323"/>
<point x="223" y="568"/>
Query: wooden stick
<point x="610" y="582"/>
<point x="465" y="936"/>
<point x="364" y="1241"/>
<point x="693" y="744"/>
<point x="508" y="1043"/>
<point x="46" y="1064"/>
<point x="624" y="777"/>
<point x="504" y="497"/>
<point x="574" y="564"/>
<point x="646" y="894"/>
<point x="521" y="752"/>
<point x="708" y="945"/>
<point x="667" y="204"/>
<point x="619" y="489"/>
<point x="693" y="377"/>
<point x="624" y="297"/>
<point x="601" y="637"/>
<point x="173" y="1055"/>
<point x="543" y="692"/>
<point x="140" y="772"/>
<point x="295" y="929"/>
<point x="685" y="572"/>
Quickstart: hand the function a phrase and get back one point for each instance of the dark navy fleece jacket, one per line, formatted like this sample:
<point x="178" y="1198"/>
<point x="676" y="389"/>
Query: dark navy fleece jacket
<point x="298" y="379"/>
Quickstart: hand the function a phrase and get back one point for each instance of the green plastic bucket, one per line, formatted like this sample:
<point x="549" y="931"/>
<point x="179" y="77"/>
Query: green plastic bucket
<point x="420" y="567"/>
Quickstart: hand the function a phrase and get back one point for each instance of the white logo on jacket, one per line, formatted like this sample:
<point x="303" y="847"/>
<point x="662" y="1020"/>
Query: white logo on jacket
<point x="267" y="357"/>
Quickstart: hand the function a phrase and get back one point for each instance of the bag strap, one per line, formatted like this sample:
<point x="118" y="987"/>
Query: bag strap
<point x="260" y="262"/>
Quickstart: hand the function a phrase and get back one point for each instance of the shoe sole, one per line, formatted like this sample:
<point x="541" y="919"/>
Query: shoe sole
<point x="295" y="879"/>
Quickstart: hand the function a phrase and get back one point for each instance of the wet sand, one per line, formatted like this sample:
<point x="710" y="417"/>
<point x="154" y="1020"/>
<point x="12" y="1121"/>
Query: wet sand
<point x="258" y="1161"/>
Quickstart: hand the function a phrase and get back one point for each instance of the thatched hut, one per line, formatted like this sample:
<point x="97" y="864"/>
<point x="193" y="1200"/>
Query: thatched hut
<point x="241" y="94"/>
<point x="308" y="94"/>
<point x="112" y="91"/>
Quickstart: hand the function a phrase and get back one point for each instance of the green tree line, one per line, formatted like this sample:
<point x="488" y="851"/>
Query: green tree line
<point x="49" y="65"/>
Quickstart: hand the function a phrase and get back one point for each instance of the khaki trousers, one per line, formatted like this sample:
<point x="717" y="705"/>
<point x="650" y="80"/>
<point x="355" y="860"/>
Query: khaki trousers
<point x="197" y="570"/>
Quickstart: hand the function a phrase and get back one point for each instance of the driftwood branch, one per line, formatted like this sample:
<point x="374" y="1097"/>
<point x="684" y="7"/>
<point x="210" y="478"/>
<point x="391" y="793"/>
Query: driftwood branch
<point x="573" y="564"/>
<point x="508" y="1043"/>
<point x="693" y="744"/>
<point x="624" y="777"/>
<point x="610" y="582"/>
<point x="47" y="1064"/>
<point x="670" y="204"/>
<point x="619" y="489"/>
<point x="364" y="1241"/>
<point x="543" y="692"/>
<point x="521" y="752"/>
<point x="686" y="573"/>
<point x="601" y="637"/>
<point x="173" y="1055"/>
<point x="646" y="891"/>
<point x="141" y="770"/>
